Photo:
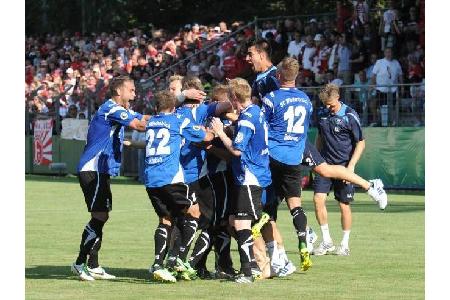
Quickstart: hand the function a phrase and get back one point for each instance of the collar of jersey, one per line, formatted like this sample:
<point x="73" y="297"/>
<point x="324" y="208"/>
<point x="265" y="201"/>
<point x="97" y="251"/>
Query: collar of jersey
<point x="263" y="74"/>
<point x="341" y="111"/>
<point x="247" y="108"/>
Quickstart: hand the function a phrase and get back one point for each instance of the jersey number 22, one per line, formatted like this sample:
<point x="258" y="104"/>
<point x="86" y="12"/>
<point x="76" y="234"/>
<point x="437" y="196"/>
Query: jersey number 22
<point x="161" y="148"/>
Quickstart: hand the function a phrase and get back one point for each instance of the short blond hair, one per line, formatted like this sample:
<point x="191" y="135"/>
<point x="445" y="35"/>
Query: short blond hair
<point x="192" y="82"/>
<point x="288" y="68"/>
<point x="219" y="89"/>
<point x="175" y="78"/>
<point x="240" y="88"/>
<point x="327" y="91"/>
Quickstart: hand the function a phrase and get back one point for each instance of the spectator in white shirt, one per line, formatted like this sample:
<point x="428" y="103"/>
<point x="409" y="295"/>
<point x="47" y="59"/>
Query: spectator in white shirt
<point x="387" y="71"/>
<point x="307" y="53"/>
<point x="344" y="53"/>
<point x="295" y="45"/>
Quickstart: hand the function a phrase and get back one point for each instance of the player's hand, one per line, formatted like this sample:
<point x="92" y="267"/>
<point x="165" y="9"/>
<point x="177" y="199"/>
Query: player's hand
<point x="217" y="125"/>
<point x="194" y="94"/>
<point x="351" y="168"/>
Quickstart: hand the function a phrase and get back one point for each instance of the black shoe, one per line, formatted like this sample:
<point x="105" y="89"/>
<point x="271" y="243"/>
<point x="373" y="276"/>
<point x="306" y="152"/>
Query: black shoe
<point x="225" y="273"/>
<point x="204" y="274"/>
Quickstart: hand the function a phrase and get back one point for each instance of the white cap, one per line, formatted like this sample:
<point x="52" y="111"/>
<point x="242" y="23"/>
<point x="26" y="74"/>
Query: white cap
<point x="217" y="28"/>
<point x="69" y="70"/>
<point x="318" y="37"/>
<point x="313" y="20"/>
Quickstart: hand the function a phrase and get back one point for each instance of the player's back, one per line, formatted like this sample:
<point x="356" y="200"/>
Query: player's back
<point x="252" y="167"/>
<point x="287" y="112"/>
<point x="164" y="134"/>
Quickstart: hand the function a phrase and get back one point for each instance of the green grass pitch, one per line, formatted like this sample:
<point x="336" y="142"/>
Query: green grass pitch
<point x="387" y="250"/>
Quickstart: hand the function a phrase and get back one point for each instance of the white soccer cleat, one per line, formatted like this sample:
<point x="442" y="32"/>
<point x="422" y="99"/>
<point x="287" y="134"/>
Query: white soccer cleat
<point x="100" y="273"/>
<point x="342" y="251"/>
<point x="376" y="191"/>
<point x="288" y="269"/>
<point x="82" y="272"/>
<point x="324" y="248"/>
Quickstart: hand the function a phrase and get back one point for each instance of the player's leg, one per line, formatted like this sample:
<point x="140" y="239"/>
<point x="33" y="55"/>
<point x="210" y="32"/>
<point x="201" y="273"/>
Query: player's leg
<point x="98" y="198"/>
<point x="322" y="186"/>
<point x="344" y="194"/>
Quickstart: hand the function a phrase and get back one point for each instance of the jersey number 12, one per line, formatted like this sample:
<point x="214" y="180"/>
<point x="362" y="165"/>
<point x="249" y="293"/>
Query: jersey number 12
<point x="295" y="117"/>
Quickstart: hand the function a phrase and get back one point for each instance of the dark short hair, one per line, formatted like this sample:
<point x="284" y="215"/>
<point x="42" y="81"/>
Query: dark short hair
<point x="261" y="45"/>
<point x="118" y="82"/>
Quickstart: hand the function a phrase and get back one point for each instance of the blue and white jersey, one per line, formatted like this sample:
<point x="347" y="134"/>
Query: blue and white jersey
<point x="193" y="157"/>
<point x="103" y="149"/>
<point x="252" y="166"/>
<point x="164" y="135"/>
<point x="265" y="83"/>
<point x="339" y="134"/>
<point x="287" y="112"/>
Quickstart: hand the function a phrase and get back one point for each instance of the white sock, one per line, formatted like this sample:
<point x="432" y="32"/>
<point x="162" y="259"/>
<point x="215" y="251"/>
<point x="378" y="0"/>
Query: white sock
<point x="345" y="238"/>
<point x="283" y="255"/>
<point x="326" y="233"/>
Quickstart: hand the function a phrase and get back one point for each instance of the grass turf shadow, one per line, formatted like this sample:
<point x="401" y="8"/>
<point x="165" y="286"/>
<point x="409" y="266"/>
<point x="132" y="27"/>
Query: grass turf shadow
<point x="64" y="273"/>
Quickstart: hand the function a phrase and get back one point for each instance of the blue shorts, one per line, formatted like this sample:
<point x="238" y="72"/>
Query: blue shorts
<point x="311" y="156"/>
<point x="342" y="192"/>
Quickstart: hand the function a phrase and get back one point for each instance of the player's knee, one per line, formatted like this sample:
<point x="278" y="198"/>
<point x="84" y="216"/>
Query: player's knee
<point x="100" y="215"/>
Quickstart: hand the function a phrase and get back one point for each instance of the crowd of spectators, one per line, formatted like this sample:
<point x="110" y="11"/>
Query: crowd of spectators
<point x="342" y="47"/>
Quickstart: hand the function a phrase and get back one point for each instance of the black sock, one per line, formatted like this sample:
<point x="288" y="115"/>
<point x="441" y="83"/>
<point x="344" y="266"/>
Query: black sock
<point x="300" y="221"/>
<point x="174" y="247"/>
<point x="162" y="239"/>
<point x="187" y="236"/>
<point x="92" y="261"/>
<point x="201" y="250"/>
<point x="245" y="246"/>
<point x="91" y="232"/>
<point x="222" y="243"/>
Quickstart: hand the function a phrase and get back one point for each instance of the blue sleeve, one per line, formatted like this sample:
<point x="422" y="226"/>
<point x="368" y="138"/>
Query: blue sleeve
<point x="267" y="108"/>
<point x="272" y="85"/>
<point x="355" y="126"/>
<point x="120" y="115"/>
<point x="191" y="131"/>
<point x="244" y="131"/>
<point x="136" y="114"/>
<point x="204" y="111"/>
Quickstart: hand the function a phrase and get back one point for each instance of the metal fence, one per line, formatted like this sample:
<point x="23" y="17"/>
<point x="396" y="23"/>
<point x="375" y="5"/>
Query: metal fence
<point x="402" y="106"/>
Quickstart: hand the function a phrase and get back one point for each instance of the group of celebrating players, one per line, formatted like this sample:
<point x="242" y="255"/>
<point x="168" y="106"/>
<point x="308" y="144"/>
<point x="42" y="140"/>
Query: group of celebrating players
<point x="223" y="167"/>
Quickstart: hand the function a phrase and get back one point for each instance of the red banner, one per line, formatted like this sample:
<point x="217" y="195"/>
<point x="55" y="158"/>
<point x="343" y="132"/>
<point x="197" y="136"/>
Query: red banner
<point x="43" y="142"/>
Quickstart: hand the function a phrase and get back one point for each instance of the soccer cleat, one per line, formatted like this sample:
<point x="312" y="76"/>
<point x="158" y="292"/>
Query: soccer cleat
<point x="288" y="269"/>
<point x="204" y="274"/>
<point x="377" y="193"/>
<point x="161" y="274"/>
<point x="256" y="229"/>
<point x="82" y="272"/>
<point x="225" y="273"/>
<point x="185" y="271"/>
<point x="305" y="260"/>
<point x="342" y="251"/>
<point x="242" y="278"/>
<point x="324" y="248"/>
<point x="100" y="273"/>
<point x="256" y="273"/>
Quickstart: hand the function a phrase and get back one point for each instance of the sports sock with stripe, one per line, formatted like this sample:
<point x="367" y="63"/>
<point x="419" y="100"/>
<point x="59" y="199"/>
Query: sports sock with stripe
<point x="92" y="232"/>
<point x="162" y="239"/>
<point x="246" y="254"/>
<point x="188" y="231"/>
<point x="300" y="221"/>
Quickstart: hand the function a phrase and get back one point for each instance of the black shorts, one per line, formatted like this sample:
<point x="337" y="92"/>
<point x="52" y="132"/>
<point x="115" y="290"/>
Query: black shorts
<point x="222" y="184"/>
<point x="201" y="192"/>
<point x="97" y="191"/>
<point x="246" y="202"/>
<point x="311" y="156"/>
<point x="342" y="192"/>
<point x="170" y="200"/>
<point x="286" y="179"/>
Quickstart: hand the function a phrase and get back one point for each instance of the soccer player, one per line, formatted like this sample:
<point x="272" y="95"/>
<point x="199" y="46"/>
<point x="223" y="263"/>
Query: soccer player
<point x="287" y="111"/>
<point x="340" y="142"/>
<point x="193" y="161"/>
<point x="101" y="159"/>
<point x="165" y="178"/>
<point x="250" y="167"/>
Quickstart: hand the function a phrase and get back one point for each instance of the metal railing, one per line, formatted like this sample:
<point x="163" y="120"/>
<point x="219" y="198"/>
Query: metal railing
<point x="403" y="107"/>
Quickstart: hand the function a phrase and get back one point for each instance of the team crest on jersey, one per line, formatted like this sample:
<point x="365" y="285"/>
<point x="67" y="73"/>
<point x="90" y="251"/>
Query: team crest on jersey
<point x="196" y="127"/>
<point x="123" y="115"/>
<point x="239" y="137"/>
